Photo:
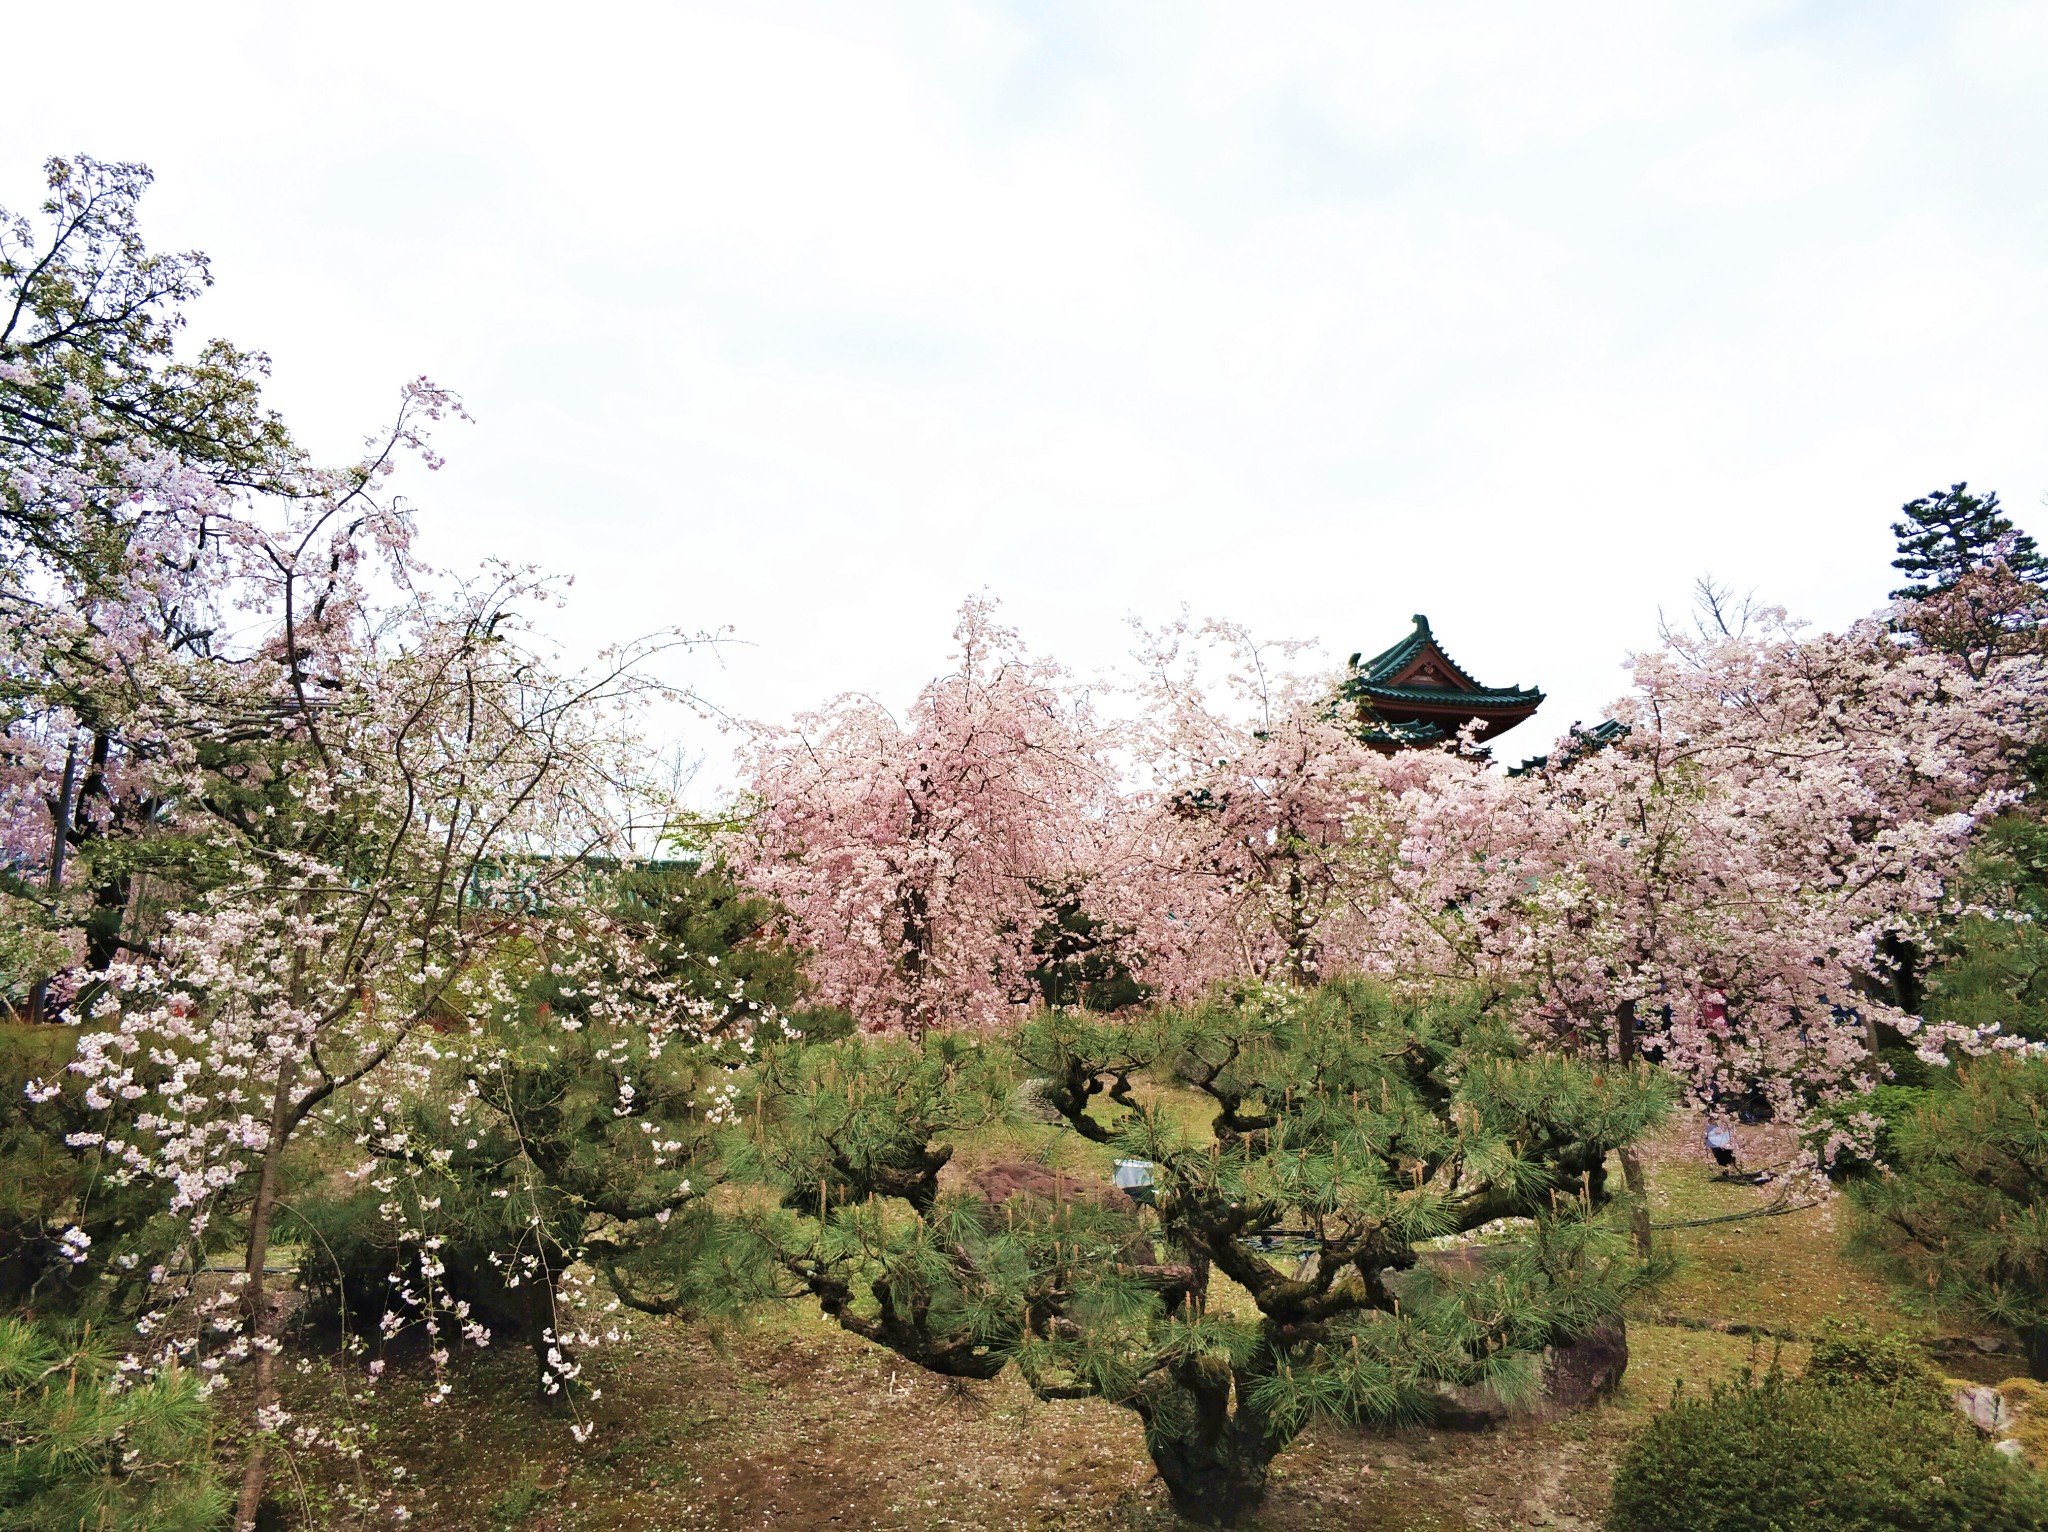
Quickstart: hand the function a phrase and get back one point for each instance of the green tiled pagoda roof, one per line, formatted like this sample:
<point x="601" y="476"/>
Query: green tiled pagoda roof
<point x="1382" y="732"/>
<point x="1373" y="677"/>
<point x="1579" y="743"/>
<point x="1443" y="695"/>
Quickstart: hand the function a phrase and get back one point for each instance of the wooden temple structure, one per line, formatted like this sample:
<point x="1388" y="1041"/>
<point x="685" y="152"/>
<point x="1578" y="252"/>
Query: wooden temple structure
<point x="1415" y="694"/>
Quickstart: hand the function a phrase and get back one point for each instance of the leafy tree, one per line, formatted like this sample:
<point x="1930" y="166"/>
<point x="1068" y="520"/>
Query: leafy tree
<point x="369" y="808"/>
<point x="1740" y="882"/>
<point x="1249" y="848"/>
<point x="1851" y="1446"/>
<point x="115" y="454"/>
<point x="1962" y="1219"/>
<point x="89" y="320"/>
<point x="81" y="1449"/>
<point x="1368" y="1124"/>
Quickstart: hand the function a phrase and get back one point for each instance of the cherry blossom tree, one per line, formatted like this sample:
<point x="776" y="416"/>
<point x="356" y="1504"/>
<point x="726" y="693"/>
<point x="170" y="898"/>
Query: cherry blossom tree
<point x="368" y="807"/>
<point x="389" y="825"/>
<point x="914" y="857"/>
<point x="115" y="452"/>
<point x="1729" y="884"/>
<point x="1256" y="836"/>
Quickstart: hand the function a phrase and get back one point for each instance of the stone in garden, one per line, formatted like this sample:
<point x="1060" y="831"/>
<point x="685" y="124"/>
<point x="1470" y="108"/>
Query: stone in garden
<point x="1984" y="1407"/>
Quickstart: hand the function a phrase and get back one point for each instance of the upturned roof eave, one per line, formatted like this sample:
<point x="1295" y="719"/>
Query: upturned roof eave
<point x="1442" y="697"/>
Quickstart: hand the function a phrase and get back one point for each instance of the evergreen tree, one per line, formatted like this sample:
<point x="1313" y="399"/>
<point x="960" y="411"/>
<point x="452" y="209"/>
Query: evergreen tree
<point x="1359" y="1123"/>
<point x="1962" y="1219"/>
<point x="1979" y="586"/>
<point x="80" y="1447"/>
<point x="578" y="1128"/>
<point x="1952" y="532"/>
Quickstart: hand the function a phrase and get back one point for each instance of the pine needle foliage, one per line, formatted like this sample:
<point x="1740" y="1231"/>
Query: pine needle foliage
<point x="1951" y="532"/>
<point x="78" y="1453"/>
<point x="854" y="1135"/>
<point x="1361" y="1124"/>
<point x="1993" y="969"/>
<point x="1979" y="586"/>
<point x="1962" y="1218"/>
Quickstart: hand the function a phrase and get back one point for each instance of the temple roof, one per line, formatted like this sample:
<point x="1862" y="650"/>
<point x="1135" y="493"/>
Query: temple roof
<point x="1414" y="693"/>
<point x="1579" y="743"/>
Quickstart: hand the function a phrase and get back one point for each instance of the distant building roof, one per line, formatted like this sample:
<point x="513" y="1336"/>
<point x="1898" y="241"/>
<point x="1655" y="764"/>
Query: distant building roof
<point x="1413" y="693"/>
<point x="1579" y="744"/>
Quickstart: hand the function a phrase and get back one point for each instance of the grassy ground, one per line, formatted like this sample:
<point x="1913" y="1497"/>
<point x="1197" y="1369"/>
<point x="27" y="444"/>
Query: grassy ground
<point x="789" y="1423"/>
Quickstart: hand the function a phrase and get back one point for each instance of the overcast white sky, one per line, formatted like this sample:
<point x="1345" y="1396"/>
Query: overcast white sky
<point x="809" y="320"/>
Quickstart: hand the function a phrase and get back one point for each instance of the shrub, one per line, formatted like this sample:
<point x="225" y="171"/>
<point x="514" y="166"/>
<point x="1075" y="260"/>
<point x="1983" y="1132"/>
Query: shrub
<point x="1826" y="1453"/>
<point x="1852" y="1353"/>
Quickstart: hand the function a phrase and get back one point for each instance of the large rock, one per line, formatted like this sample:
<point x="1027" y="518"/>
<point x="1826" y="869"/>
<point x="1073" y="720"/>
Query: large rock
<point x="1589" y="1368"/>
<point x="1985" y="1408"/>
<point x="997" y="1184"/>
<point x="1574" y="1375"/>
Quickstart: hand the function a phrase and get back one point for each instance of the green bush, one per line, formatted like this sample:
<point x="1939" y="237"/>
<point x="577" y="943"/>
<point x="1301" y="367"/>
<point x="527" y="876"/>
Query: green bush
<point x="1891" y="1104"/>
<point x="78" y="1452"/>
<point x="1852" y="1353"/>
<point x="1993" y="963"/>
<point x="1826" y="1453"/>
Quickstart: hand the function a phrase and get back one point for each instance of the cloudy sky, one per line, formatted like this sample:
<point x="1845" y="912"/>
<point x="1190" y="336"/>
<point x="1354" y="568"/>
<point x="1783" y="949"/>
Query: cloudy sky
<point x="809" y="320"/>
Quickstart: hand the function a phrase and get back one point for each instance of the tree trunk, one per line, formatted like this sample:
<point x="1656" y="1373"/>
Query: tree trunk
<point x="1631" y="1166"/>
<point x="1216" y="1472"/>
<point x="109" y="894"/>
<point x="2036" y="1343"/>
<point x="253" y="1297"/>
<point x="1908" y="993"/>
<point x="916" y="961"/>
<point x="60" y="842"/>
<point x="1639" y="1201"/>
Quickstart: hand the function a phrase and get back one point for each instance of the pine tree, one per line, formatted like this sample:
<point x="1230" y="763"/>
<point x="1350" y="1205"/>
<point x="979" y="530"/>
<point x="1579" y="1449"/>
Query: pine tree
<point x="1960" y="1221"/>
<point x="80" y="1449"/>
<point x="1952" y="532"/>
<point x="1358" y="1123"/>
<point x="1980" y="585"/>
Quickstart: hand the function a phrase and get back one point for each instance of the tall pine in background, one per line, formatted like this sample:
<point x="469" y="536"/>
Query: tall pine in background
<point x="1979" y="586"/>
<point x="1948" y="534"/>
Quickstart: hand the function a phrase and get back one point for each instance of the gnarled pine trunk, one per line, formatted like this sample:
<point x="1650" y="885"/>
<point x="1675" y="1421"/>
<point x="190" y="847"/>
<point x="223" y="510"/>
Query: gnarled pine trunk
<point x="1216" y="1468"/>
